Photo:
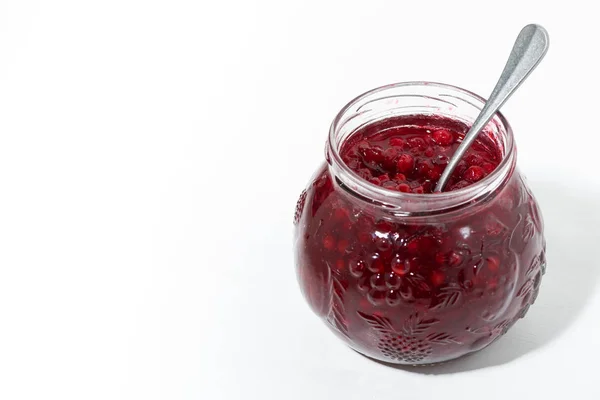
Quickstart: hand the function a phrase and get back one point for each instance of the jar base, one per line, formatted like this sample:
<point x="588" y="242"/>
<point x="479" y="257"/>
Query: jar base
<point x="424" y="366"/>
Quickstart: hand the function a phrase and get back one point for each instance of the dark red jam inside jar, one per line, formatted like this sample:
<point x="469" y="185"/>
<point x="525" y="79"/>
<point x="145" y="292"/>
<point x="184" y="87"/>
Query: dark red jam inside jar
<point x="401" y="274"/>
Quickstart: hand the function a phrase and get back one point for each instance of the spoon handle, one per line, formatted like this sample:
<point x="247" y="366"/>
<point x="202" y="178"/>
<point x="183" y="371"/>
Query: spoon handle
<point x="529" y="49"/>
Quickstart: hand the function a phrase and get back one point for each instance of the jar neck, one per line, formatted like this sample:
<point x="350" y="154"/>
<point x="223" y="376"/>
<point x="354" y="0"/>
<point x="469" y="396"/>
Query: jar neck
<point x="418" y="98"/>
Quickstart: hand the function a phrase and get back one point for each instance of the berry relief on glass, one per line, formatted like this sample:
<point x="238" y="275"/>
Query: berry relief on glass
<point x="399" y="273"/>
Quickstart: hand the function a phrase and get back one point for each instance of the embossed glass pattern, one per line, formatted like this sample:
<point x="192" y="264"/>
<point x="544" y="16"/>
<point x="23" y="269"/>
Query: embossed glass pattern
<point x="418" y="279"/>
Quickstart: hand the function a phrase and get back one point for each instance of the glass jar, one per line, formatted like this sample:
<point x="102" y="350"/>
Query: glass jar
<point x="418" y="278"/>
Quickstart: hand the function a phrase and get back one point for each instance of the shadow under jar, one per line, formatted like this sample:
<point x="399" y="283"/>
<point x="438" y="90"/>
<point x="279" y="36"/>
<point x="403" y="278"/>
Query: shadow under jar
<point x="418" y="278"/>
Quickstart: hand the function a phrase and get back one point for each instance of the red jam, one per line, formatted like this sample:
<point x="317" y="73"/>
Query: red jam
<point x="418" y="290"/>
<point x="409" y="154"/>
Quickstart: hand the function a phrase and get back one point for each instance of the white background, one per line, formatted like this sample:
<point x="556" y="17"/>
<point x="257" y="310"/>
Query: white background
<point x="151" y="154"/>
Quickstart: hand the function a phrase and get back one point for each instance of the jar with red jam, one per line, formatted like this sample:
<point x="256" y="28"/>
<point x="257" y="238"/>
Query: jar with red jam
<point x="401" y="274"/>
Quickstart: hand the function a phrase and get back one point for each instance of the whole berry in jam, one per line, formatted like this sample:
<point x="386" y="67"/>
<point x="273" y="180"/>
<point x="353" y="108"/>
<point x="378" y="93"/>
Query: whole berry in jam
<point x="406" y="163"/>
<point x="474" y="173"/>
<point x="443" y="137"/>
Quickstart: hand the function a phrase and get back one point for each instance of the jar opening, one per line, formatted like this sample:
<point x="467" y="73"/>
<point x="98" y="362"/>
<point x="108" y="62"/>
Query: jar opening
<point x="418" y="98"/>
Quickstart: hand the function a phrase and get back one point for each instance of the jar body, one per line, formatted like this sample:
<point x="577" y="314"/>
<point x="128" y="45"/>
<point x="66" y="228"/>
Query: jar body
<point x="418" y="290"/>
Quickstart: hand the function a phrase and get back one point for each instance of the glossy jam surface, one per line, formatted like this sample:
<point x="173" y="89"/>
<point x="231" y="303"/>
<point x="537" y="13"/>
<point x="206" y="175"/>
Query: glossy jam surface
<point x="409" y="154"/>
<point x="418" y="290"/>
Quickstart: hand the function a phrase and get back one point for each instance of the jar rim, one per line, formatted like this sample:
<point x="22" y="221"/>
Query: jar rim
<point x="427" y="203"/>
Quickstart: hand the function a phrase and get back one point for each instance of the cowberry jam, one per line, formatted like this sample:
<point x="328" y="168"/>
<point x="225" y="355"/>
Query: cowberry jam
<point x="398" y="273"/>
<point x="409" y="153"/>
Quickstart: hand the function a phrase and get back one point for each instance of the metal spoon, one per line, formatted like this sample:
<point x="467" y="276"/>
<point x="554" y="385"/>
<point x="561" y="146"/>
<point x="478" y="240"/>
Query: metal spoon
<point x="529" y="49"/>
